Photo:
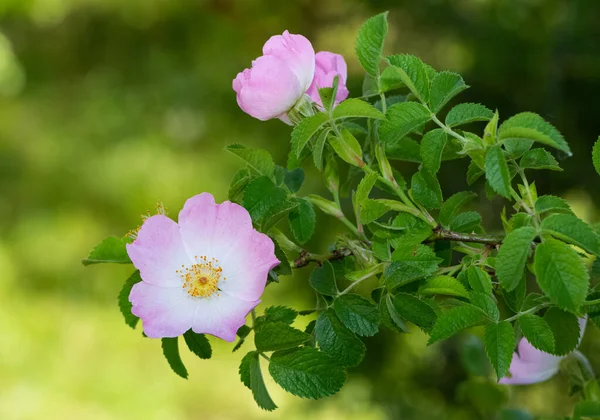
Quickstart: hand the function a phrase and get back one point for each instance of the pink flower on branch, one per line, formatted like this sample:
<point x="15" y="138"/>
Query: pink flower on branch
<point x="328" y="66"/>
<point x="530" y="365"/>
<point x="278" y="79"/>
<point x="206" y="272"/>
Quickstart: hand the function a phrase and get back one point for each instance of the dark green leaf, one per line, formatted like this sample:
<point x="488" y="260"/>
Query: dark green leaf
<point x="443" y="285"/>
<point x="110" y="250"/>
<point x="251" y="376"/>
<point x="467" y="222"/>
<point x="513" y="255"/>
<point x="515" y="148"/>
<point x="426" y="189"/>
<point x="496" y="171"/>
<point x="302" y="220"/>
<point x="260" y="161"/>
<point x="474" y="172"/>
<point x="198" y="344"/>
<point x="413" y="73"/>
<point x="550" y="203"/>
<point x="539" y="159"/>
<point x="452" y="205"/>
<point x="455" y="320"/>
<point x="432" y="147"/>
<point x="479" y="280"/>
<point x="294" y="179"/>
<point x="573" y="230"/>
<point x="444" y="86"/>
<point x="303" y="132"/>
<point x="537" y="331"/>
<point x="124" y="303"/>
<point x="358" y="314"/>
<point x="337" y="341"/>
<point x="322" y="280"/>
<point x="499" y="342"/>
<point x="401" y="119"/>
<point x="528" y="125"/>
<point x="273" y="336"/>
<point x="565" y="328"/>
<point x="369" y="43"/>
<point x="414" y="310"/>
<point x="410" y="263"/>
<point x="170" y="350"/>
<point x="319" y="147"/>
<point x="264" y="200"/>
<point x="596" y="156"/>
<point x="467" y="113"/>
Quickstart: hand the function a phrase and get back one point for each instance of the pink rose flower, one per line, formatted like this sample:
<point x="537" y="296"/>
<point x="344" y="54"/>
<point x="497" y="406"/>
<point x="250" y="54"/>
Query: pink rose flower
<point x="531" y="365"/>
<point x="205" y="273"/>
<point x="329" y="65"/>
<point x="278" y="79"/>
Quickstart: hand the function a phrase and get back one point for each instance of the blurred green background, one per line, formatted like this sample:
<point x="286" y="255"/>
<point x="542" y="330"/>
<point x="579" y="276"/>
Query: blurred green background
<point x="107" y="106"/>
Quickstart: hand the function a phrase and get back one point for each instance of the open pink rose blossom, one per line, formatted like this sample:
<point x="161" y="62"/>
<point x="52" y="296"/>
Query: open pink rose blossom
<point x="531" y="365"/>
<point x="329" y="65"/>
<point x="206" y="272"/>
<point x="278" y="79"/>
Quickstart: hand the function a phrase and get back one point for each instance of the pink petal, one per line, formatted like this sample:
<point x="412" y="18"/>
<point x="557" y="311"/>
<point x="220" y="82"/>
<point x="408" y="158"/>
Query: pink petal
<point x="165" y="311"/>
<point x="158" y="251"/>
<point x="267" y="90"/>
<point x="296" y="52"/>
<point x="329" y="65"/>
<point x="221" y="315"/>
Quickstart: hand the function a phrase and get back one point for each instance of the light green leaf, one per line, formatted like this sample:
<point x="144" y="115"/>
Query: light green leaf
<point x="365" y="186"/>
<point x="258" y="160"/>
<point x="124" y="303"/>
<point x="170" y="350"/>
<point x="537" y="331"/>
<point x="479" y="280"/>
<point x="587" y="410"/>
<point x="596" y="156"/>
<point x="389" y="80"/>
<point x="499" y="340"/>
<point x="539" y="159"/>
<point x="550" y="203"/>
<point x="371" y="210"/>
<point x="496" y="171"/>
<point x="401" y="119"/>
<point x="513" y="255"/>
<point x="347" y="148"/>
<point x="444" y="86"/>
<point x="443" y="285"/>
<point x="369" y="43"/>
<point x="426" y="189"/>
<point x="302" y="220"/>
<point x="467" y="113"/>
<point x="328" y="95"/>
<point x="455" y="320"/>
<point x="319" y="147"/>
<point x="337" y="341"/>
<point x="239" y="182"/>
<point x="413" y="73"/>
<point x="274" y="336"/>
<point x="356" y="108"/>
<point x="322" y="280"/>
<point x="561" y="274"/>
<point x="307" y="128"/>
<point x="569" y="228"/>
<point x="307" y="372"/>
<point x="110" y="250"/>
<point x="452" y="205"/>
<point x="528" y="125"/>
<point x="358" y="314"/>
<point x="565" y="328"/>
<point x="415" y="310"/>
<point x="466" y="222"/>
<point x="432" y="147"/>
<point x="410" y="263"/>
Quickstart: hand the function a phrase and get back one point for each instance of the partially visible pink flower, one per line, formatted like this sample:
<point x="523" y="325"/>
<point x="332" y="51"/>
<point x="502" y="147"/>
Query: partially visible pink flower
<point x="531" y="365"/>
<point x="277" y="79"/>
<point x="329" y="65"/>
<point x="205" y="273"/>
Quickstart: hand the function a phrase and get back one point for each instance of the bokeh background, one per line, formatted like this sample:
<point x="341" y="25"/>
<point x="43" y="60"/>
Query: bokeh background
<point x="107" y="106"/>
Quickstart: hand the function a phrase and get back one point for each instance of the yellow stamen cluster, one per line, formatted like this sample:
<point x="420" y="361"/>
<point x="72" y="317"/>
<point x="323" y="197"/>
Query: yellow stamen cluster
<point x="158" y="209"/>
<point x="201" y="279"/>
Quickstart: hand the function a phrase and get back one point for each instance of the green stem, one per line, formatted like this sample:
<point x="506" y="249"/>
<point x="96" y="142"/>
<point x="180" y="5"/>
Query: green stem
<point x="440" y="233"/>
<point x="529" y="311"/>
<point x="447" y="129"/>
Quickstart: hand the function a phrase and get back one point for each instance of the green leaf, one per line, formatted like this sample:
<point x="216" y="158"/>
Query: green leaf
<point x="356" y="108"/>
<point x="329" y="94"/>
<point x="565" y="328"/>
<point x="432" y="147"/>
<point x="487" y="304"/>
<point x="539" y="159"/>
<point x="239" y="182"/>
<point x="307" y="128"/>
<point x="537" y="331"/>
<point x="307" y="372"/>
<point x="280" y="313"/>
<point x="443" y="285"/>
<point x="251" y="376"/>
<point x="413" y="73"/>
<point x="337" y="341"/>
<point x="369" y="43"/>
<point x="390" y="316"/>
<point x="124" y="303"/>
<point x="401" y="119"/>
<point x="569" y="228"/>
<point x="455" y="320"/>
<point x="198" y="344"/>
<point x="496" y="171"/>
<point x="415" y="310"/>
<point x="358" y="314"/>
<point x="426" y="189"/>
<point x="372" y="210"/>
<point x="260" y="161"/>
<point x="490" y="132"/>
<point x="302" y="220"/>
<point x="452" y="205"/>
<point x="479" y="280"/>
<point x="274" y="336"/>
<point x="468" y="113"/>
<point x="410" y="263"/>
<point x="550" y="203"/>
<point x="561" y="274"/>
<point x="474" y="172"/>
<point x="319" y="147"/>
<point x="365" y="186"/>
<point x="170" y="350"/>
<point x="444" y="86"/>
<point x="263" y="200"/>
<point x="389" y="80"/>
<point x="294" y="179"/>
<point x="466" y="222"/>
<point x="322" y="280"/>
<point x="596" y="156"/>
<point x="499" y="340"/>
<point x="517" y="147"/>
<point x="407" y="150"/>
<point x="347" y="148"/>
<point x="110" y="250"/>
<point x="512" y="257"/>
<point x="528" y="125"/>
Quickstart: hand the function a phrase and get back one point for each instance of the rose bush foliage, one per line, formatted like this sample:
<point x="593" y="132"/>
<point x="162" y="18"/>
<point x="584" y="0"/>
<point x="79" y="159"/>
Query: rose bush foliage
<point x="426" y="258"/>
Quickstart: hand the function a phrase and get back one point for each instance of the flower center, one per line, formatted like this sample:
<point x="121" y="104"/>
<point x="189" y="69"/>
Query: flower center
<point x="202" y="278"/>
